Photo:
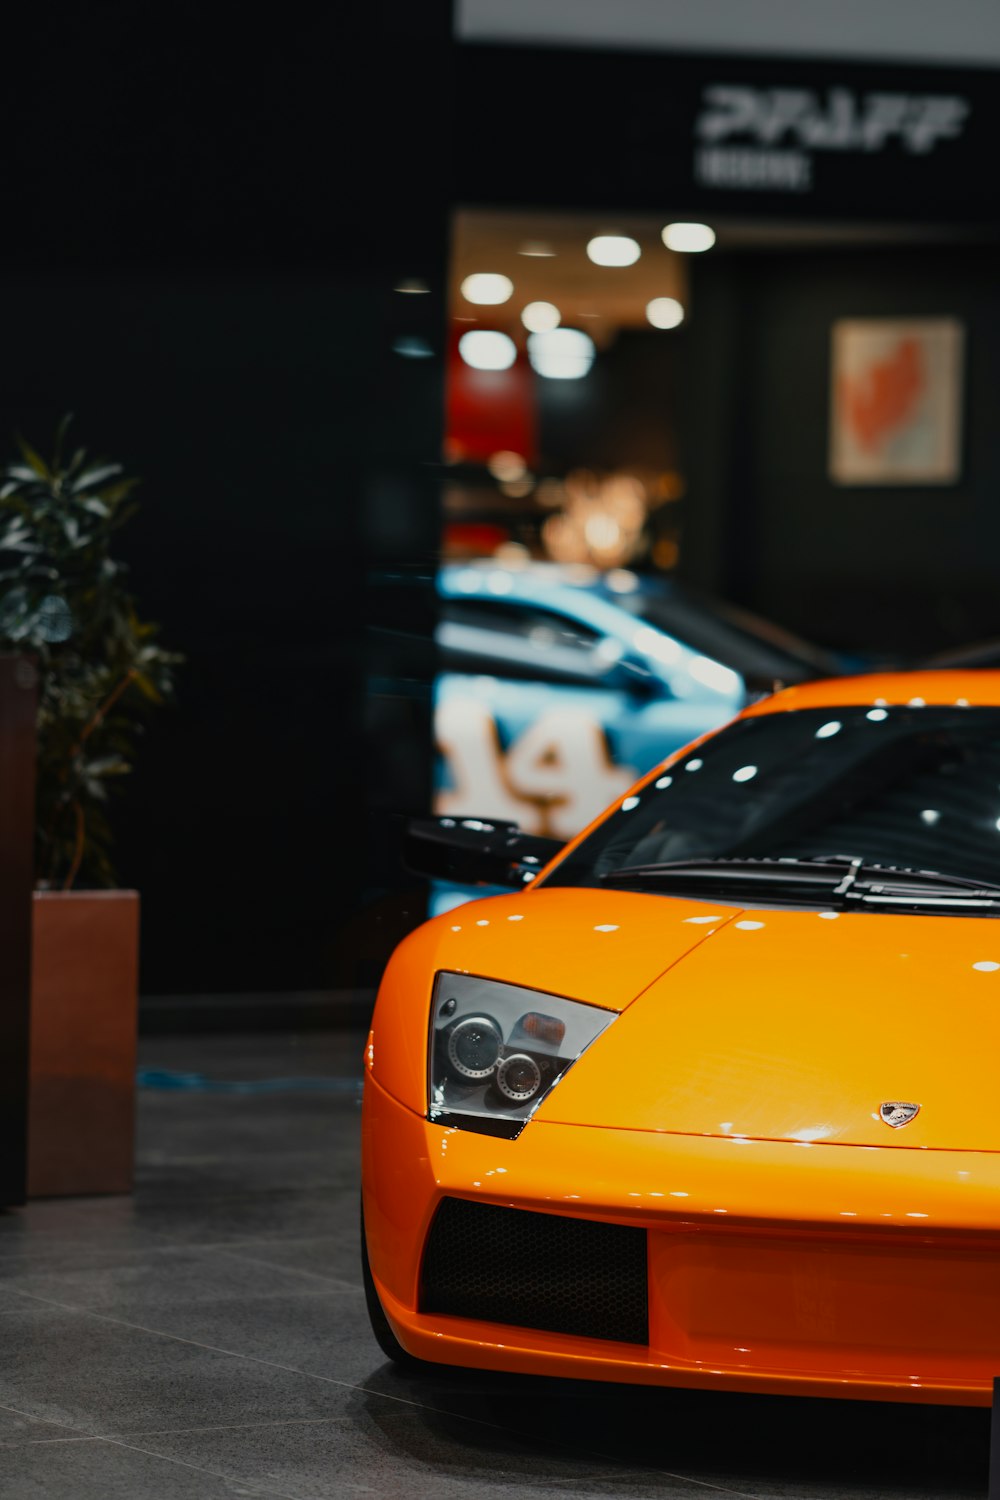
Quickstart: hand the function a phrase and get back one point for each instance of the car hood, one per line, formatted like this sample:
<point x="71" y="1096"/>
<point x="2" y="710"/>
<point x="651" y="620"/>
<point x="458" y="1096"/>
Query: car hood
<point x="798" y="1026"/>
<point x="602" y="947"/>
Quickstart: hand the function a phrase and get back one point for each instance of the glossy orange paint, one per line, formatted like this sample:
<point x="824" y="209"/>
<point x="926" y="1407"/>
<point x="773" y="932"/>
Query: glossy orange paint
<point x="796" y="1243"/>
<point x="570" y="952"/>
<point x="803" y="1022"/>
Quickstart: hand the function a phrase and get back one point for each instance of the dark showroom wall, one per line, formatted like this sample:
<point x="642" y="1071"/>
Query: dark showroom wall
<point x="894" y="568"/>
<point x="623" y="415"/>
<point x="204" y="230"/>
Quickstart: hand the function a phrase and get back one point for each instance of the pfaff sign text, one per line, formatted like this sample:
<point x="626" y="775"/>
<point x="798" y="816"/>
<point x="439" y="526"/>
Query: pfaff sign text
<point x="764" y="137"/>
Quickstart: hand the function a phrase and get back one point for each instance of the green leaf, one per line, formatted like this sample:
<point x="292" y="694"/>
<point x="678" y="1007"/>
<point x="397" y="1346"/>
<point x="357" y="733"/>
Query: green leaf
<point x="64" y="596"/>
<point x="32" y="459"/>
<point x="112" y="494"/>
<point x="147" y="688"/>
<point x="61" y="432"/>
<point x="125" y="514"/>
<point x="91" y="478"/>
<point x="107" y="765"/>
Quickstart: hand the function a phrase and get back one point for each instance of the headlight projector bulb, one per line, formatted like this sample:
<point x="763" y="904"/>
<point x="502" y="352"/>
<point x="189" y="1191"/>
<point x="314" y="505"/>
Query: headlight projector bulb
<point x="519" y="1077"/>
<point x="474" y="1047"/>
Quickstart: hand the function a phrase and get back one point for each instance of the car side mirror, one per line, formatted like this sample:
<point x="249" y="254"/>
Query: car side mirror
<point x="476" y="851"/>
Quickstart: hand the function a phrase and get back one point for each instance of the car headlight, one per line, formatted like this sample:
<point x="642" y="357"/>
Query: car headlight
<point x="496" y="1050"/>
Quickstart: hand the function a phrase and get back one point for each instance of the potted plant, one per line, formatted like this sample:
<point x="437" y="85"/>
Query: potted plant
<point x="64" y="601"/>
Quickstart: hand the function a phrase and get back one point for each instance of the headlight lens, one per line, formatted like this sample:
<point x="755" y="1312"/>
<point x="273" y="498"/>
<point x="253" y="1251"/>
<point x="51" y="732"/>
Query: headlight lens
<point x="497" y="1049"/>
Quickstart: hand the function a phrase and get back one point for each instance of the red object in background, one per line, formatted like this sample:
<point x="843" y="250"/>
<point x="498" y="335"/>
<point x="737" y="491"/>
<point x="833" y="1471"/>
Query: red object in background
<point x="489" y="411"/>
<point x="473" y="538"/>
<point x="884" y="397"/>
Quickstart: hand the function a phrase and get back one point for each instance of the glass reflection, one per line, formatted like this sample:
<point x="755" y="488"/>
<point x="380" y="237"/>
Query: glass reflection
<point x="863" y="799"/>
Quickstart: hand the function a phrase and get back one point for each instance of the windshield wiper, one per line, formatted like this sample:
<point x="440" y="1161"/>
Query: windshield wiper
<point x="851" y="879"/>
<point x="878" y="884"/>
<point x="798" y="871"/>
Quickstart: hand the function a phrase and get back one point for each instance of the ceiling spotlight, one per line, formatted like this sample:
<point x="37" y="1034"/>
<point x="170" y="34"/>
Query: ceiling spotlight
<point x="485" y="349"/>
<point x="539" y="248"/>
<point x="613" y="250"/>
<point x="561" y="353"/>
<point x="688" y="238"/>
<point x="539" y="317"/>
<point x="487" y="288"/>
<point x="411" y="287"/>
<point x="665" y="312"/>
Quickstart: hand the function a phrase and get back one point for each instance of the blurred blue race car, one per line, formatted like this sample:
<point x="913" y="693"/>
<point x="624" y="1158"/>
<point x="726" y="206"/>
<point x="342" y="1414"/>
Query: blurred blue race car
<point x="560" y="686"/>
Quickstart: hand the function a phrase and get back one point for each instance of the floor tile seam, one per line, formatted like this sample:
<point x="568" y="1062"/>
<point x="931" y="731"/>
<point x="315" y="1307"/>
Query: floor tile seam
<point x="48" y="1421"/>
<point x="252" y="1239"/>
<point x="152" y="1432"/>
<point x="367" y="1390"/>
<point x="180" y="1463"/>
<point x="158" y="1243"/>
<point x="38" y="1253"/>
<point x="152" y="1175"/>
<point x="257" y="1260"/>
<point x="227" y="1479"/>
<point x="163" y="1333"/>
<point x="167" y="1200"/>
<point x="304" y="1293"/>
<point x="163" y="1262"/>
<point x="82" y="1437"/>
<point x="248" y="1298"/>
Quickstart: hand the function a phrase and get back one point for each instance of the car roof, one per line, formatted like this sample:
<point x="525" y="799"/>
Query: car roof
<point x="619" y="600"/>
<point x="972" y="689"/>
<point x="551" y="583"/>
<point x="577" y="593"/>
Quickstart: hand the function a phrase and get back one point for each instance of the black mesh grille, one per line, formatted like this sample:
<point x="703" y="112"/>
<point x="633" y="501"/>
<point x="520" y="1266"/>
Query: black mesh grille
<point x="506" y="1265"/>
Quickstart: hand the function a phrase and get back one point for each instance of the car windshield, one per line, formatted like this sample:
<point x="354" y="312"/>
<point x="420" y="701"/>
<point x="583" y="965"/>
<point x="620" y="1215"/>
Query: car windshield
<point x="910" y="788"/>
<point x="760" y="651"/>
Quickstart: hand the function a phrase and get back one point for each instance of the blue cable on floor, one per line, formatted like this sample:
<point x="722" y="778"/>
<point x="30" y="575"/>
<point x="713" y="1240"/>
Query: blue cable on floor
<point x="163" y="1078"/>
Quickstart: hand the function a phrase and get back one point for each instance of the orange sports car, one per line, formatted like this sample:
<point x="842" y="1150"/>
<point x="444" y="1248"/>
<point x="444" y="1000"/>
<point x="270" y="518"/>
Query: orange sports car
<point x="711" y="1099"/>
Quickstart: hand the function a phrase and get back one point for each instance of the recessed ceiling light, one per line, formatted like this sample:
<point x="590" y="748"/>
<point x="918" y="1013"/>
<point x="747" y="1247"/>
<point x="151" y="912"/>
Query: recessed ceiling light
<point x="539" y="248"/>
<point x="561" y="354"/>
<point x="665" y="312"/>
<point x="412" y="287"/>
<point x="486" y="349"/>
<point x="539" y="317"/>
<point x="613" y="250"/>
<point x="690" y="239"/>
<point x="487" y="288"/>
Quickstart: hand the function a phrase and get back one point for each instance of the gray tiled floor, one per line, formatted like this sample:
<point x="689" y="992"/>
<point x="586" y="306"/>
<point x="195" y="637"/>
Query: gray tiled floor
<point x="207" y="1338"/>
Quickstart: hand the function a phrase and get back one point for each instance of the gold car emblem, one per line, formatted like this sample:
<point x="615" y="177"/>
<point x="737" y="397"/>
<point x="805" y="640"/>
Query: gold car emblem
<point x="896" y="1113"/>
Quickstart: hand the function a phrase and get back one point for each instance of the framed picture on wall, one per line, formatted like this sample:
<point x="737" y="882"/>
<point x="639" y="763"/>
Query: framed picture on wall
<point x="896" y="401"/>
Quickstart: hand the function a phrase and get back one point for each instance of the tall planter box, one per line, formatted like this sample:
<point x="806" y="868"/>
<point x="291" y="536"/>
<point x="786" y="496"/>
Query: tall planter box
<point x="84" y="1010"/>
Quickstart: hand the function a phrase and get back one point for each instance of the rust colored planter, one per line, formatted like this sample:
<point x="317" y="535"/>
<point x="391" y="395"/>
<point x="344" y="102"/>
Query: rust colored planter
<point x="84" y="1006"/>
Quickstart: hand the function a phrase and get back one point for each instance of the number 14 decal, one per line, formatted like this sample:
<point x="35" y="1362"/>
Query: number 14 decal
<point x="553" y="779"/>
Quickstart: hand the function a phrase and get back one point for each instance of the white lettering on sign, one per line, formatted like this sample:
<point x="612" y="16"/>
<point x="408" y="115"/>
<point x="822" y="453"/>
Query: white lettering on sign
<point x="840" y="121"/>
<point x="761" y="138"/>
<point x="750" y="167"/>
<point x="554" y="778"/>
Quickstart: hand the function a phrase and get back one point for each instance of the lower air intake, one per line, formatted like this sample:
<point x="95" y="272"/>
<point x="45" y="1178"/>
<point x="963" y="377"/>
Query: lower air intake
<point x="506" y="1265"/>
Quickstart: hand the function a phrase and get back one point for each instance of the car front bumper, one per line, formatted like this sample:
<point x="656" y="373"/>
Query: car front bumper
<point x="772" y="1266"/>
